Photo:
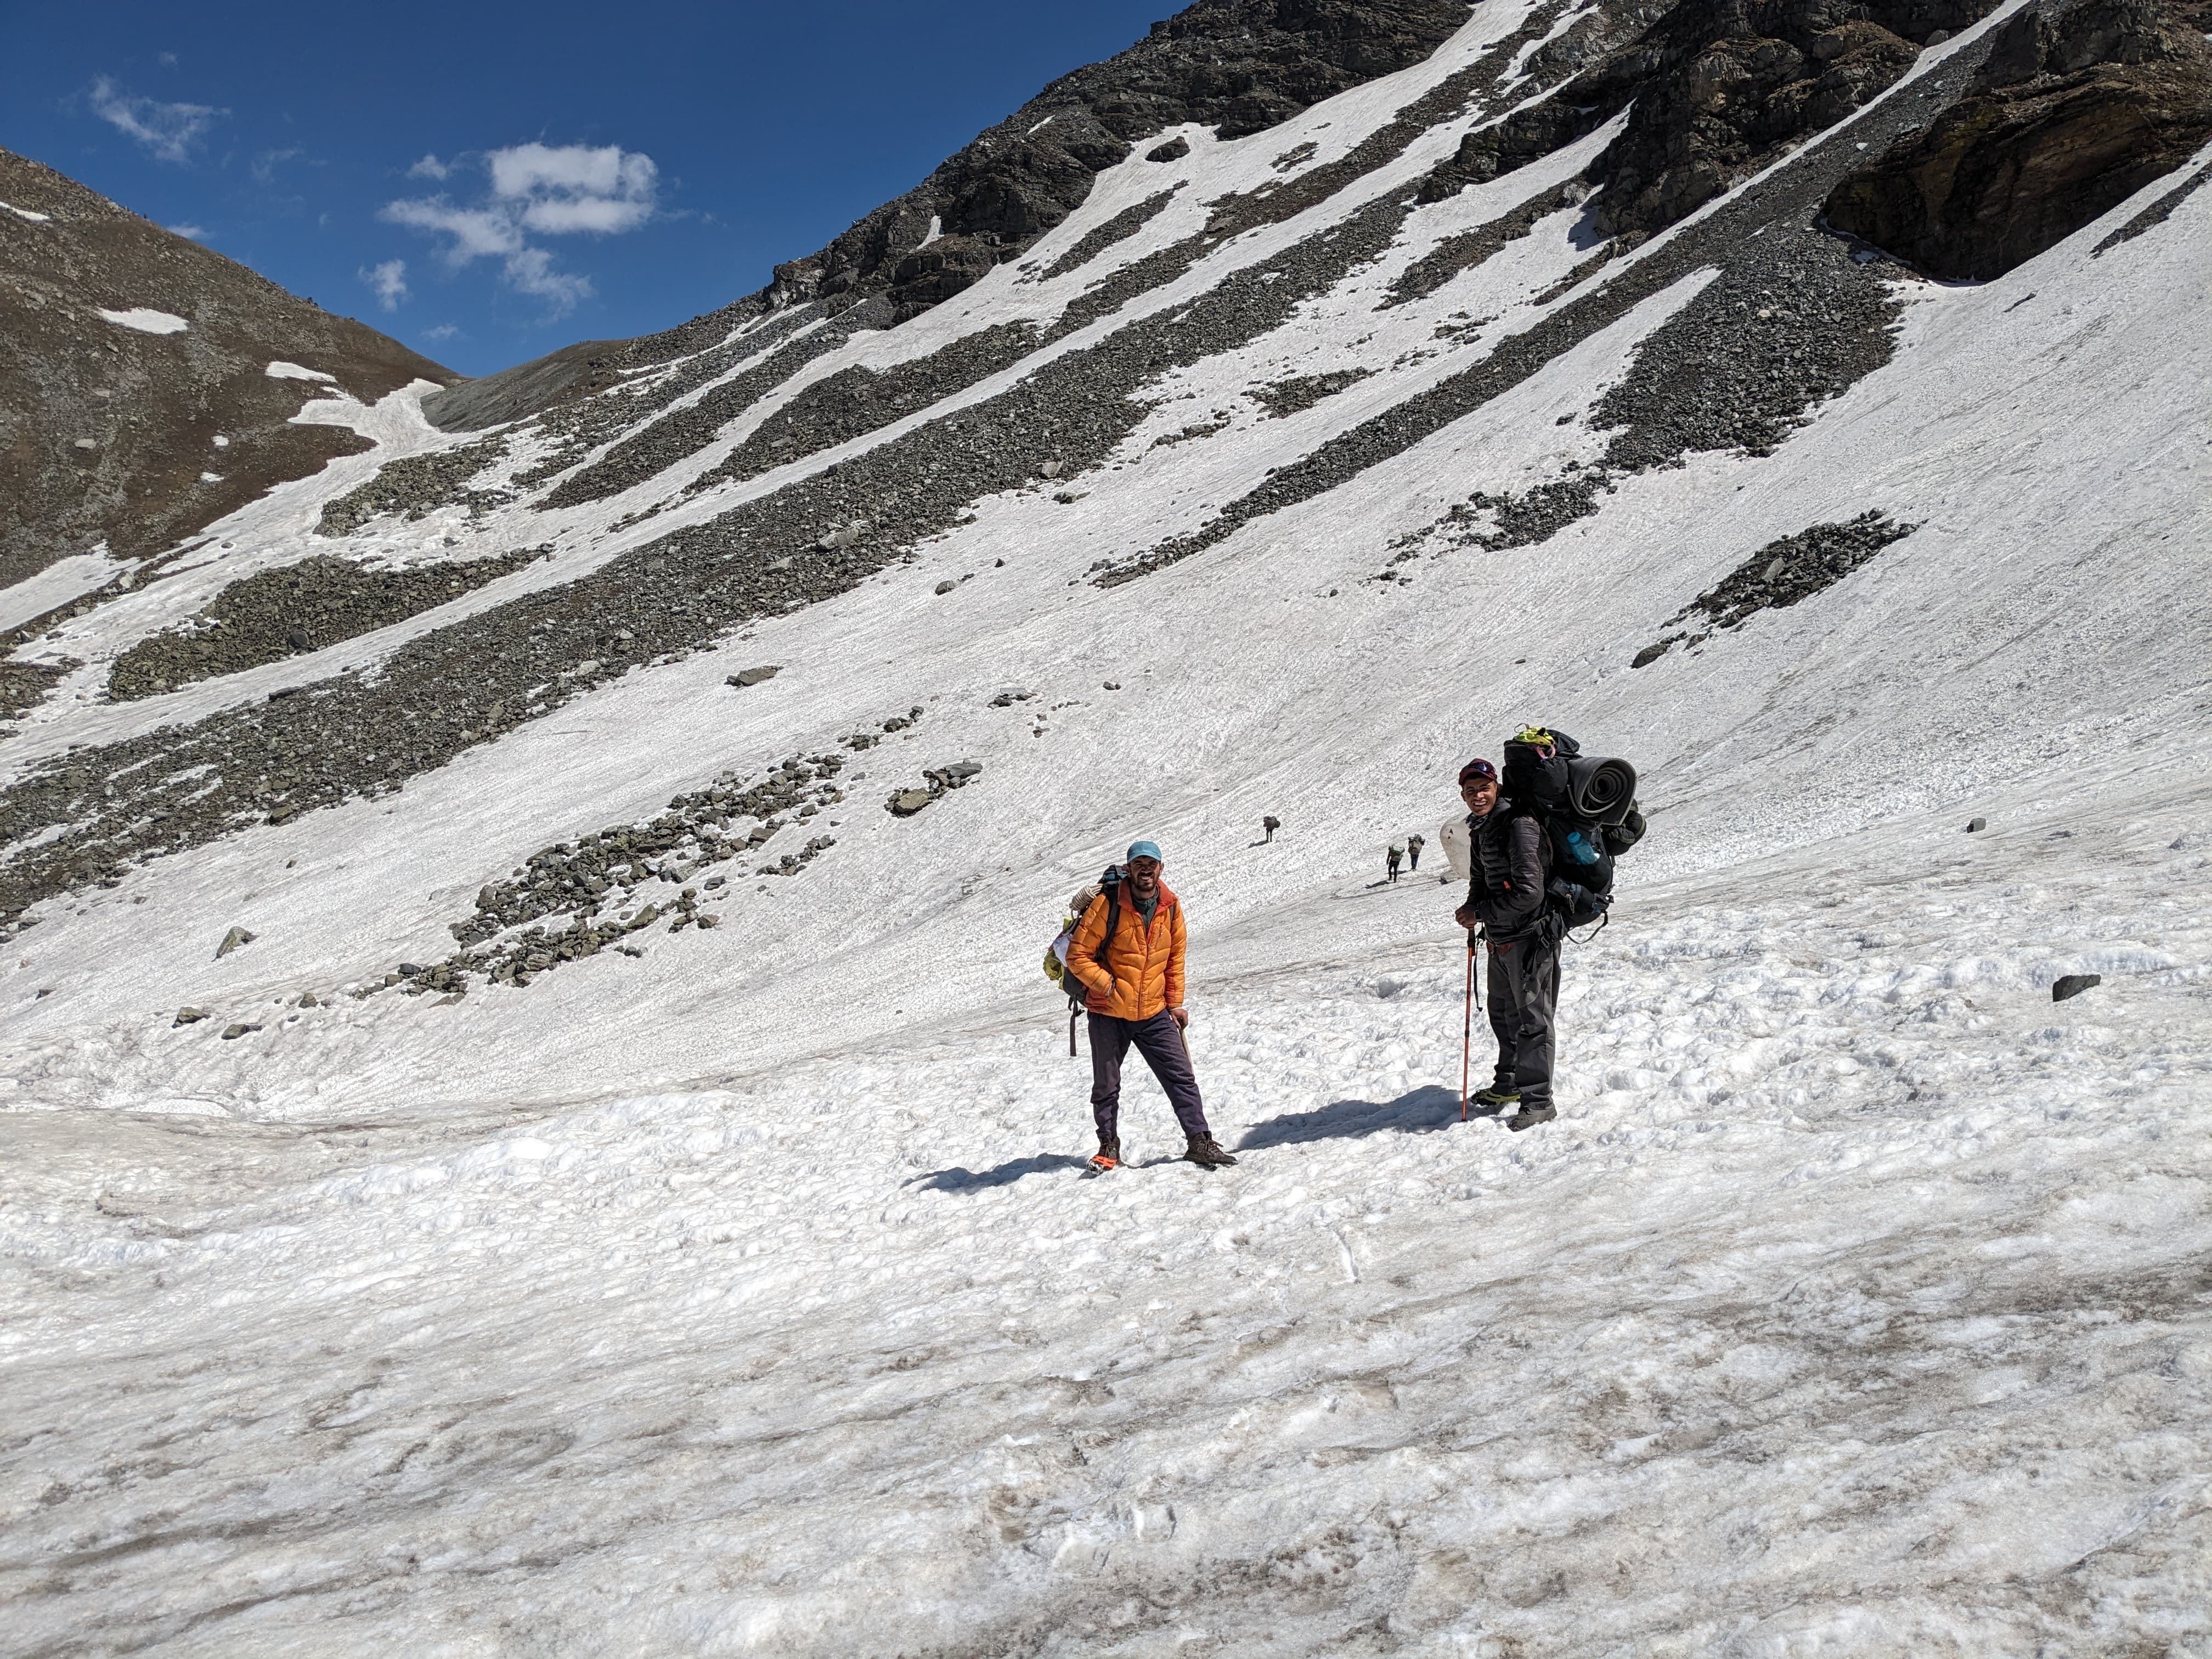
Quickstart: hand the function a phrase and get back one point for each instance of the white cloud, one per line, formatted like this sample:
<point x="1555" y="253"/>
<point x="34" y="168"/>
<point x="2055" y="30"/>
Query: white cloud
<point x="387" y="281"/>
<point x="198" y="232"/>
<point x="264" y="166"/>
<point x="531" y="271"/>
<point x="540" y="190"/>
<point x="443" y="331"/>
<point x="167" y="131"/>
<point x="477" y="233"/>
<point x="576" y="187"/>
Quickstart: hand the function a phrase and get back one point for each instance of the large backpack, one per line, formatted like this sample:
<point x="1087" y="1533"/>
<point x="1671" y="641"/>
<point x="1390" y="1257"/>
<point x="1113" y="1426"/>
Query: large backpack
<point x="1587" y="806"/>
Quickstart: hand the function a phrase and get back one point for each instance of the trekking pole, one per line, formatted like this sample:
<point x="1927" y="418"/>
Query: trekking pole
<point x="1074" y="1007"/>
<point x="1466" y="1035"/>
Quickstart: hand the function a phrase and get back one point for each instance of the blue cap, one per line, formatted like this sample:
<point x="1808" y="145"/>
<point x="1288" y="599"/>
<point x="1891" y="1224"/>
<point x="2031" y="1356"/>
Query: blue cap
<point x="1145" y="849"/>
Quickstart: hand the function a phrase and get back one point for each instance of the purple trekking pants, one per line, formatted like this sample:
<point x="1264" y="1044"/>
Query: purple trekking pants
<point x="1159" y="1040"/>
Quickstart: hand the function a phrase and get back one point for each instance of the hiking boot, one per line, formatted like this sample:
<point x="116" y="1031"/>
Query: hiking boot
<point x="1206" y="1152"/>
<point x="1529" y="1117"/>
<point x="1107" y="1157"/>
<point x="1487" y="1100"/>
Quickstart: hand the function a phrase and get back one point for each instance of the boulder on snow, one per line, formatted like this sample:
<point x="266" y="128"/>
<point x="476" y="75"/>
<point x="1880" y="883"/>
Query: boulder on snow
<point x="188" y="1017"/>
<point x="1974" y="826"/>
<point x="946" y="586"/>
<point x="755" y="676"/>
<point x="2072" y="985"/>
<point x="1174" y="150"/>
<point x="905" y="803"/>
<point x="232" y="940"/>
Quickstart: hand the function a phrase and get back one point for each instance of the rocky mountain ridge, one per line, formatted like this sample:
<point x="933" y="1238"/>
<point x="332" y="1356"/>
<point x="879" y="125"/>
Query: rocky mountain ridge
<point x="805" y="442"/>
<point x="148" y="384"/>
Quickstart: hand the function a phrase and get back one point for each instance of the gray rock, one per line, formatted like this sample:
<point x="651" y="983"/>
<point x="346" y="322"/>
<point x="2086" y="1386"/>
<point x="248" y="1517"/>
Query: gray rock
<point x="907" y="802"/>
<point x="188" y="1017"/>
<point x="232" y="1033"/>
<point x="2072" y="985"/>
<point x="1975" y="824"/>
<point x="232" y="940"/>
<point x="1174" y="150"/>
<point x="755" y="676"/>
<point x="946" y="587"/>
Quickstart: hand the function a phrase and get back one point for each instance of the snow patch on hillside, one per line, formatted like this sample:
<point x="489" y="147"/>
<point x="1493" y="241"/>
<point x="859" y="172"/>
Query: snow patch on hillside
<point x="146" y="320"/>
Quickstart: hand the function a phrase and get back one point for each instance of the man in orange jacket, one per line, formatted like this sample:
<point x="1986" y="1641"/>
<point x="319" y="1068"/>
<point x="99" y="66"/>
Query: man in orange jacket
<point x="1128" y="953"/>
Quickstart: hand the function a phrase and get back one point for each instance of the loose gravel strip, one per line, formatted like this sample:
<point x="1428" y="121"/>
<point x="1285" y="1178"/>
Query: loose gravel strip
<point x="1717" y="376"/>
<point x="83" y="817"/>
<point x="1119" y="229"/>
<point x="102" y="809"/>
<point x="603" y="882"/>
<point x="1470" y="249"/>
<point x="1281" y="398"/>
<point x="417" y="485"/>
<point x="292" y="610"/>
<point x="683" y="433"/>
<point x="1795" y="568"/>
<point x="856" y="401"/>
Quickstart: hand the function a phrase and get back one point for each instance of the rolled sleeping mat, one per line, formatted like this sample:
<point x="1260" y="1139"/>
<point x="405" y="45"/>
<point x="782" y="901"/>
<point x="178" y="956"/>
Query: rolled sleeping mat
<point x="1601" y="791"/>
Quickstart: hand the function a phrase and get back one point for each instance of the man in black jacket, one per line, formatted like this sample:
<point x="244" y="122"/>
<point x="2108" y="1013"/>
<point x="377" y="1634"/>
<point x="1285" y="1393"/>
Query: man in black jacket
<point x="1505" y="900"/>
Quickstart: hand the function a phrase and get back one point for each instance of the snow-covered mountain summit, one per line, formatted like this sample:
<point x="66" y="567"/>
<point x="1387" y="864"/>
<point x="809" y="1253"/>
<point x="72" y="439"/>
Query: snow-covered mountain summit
<point x="568" y="1109"/>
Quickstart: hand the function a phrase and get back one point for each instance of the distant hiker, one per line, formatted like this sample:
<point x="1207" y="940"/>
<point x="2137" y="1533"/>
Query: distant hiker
<point x="1128" y="953"/>
<point x="1394" y="858"/>
<point x="1271" y="824"/>
<point x="1505" y="899"/>
<point x="1414" y="845"/>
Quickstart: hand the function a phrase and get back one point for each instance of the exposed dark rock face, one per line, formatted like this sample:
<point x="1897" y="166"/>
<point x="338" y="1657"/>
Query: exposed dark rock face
<point x="294" y="609"/>
<point x="107" y="433"/>
<point x="1719" y="89"/>
<point x="2071" y="116"/>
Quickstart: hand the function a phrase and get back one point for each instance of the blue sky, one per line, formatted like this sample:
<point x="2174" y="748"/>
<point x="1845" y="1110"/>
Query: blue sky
<point x="489" y="183"/>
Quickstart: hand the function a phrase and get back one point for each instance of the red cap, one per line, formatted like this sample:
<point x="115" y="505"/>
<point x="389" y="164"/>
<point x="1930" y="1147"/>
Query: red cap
<point x="1477" y="768"/>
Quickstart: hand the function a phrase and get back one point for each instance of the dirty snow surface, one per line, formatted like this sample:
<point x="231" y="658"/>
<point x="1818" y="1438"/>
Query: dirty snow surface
<point x="741" y="1290"/>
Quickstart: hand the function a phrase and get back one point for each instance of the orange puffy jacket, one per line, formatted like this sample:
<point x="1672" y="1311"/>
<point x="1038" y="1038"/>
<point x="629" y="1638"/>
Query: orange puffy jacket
<point x="1142" y="972"/>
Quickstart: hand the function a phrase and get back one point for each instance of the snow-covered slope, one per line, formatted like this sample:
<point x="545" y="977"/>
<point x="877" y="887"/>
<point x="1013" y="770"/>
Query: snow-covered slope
<point x="732" y="1288"/>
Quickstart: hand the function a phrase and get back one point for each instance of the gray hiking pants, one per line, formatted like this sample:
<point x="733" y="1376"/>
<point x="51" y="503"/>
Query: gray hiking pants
<point x="1524" y="999"/>
<point x="1159" y="1040"/>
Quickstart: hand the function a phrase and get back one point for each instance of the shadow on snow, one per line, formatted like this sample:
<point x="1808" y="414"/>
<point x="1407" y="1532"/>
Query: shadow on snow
<point x="1427" y="1108"/>
<point x="959" y="1180"/>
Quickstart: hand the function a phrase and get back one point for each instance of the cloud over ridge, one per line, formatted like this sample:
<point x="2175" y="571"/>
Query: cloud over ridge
<point x="167" y="131"/>
<point x="535" y="189"/>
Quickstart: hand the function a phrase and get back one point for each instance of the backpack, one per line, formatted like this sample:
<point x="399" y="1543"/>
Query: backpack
<point x="1587" y="806"/>
<point x="1055" y="958"/>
